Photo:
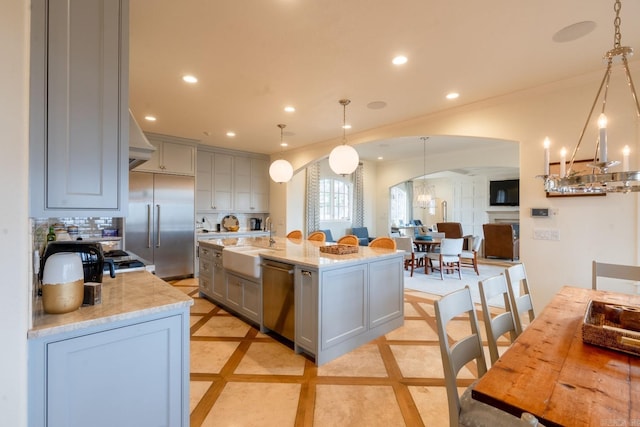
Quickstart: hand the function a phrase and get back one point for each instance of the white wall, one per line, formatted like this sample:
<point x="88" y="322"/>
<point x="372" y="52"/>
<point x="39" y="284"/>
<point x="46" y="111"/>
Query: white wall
<point x="589" y="227"/>
<point x="14" y="248"/>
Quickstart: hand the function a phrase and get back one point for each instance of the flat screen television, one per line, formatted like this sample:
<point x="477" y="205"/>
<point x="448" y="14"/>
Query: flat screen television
<point x="504" y="193"/>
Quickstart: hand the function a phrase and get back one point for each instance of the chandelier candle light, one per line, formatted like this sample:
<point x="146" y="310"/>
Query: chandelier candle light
<point x="344" y="159"/>
<point x="281" y="170"/>
<point x="597" y="179"/>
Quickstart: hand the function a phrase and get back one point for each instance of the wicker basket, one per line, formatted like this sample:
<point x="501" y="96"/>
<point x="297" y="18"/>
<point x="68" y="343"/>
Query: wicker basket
<point x="339" y="249"/>
<point x="607" y="325"/>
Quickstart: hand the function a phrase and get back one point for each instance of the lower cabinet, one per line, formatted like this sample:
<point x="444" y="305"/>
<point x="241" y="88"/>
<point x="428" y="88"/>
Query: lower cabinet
<point x="131" y="375"/>
<point x="306" y="295"/>
<point x="244" y="296"/>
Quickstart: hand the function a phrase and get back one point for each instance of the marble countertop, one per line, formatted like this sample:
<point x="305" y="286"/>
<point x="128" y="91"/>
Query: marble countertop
<point x="126" y="296"/>
<point x="200" y="235"/>
<point x="301" y="252"/>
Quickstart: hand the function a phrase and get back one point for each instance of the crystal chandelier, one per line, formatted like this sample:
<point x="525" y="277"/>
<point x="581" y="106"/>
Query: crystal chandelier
<point x="344" y="159"/>
<point x="423" y="200"/>
<point x="281" y="170"/>
<point x="597" y="178"/>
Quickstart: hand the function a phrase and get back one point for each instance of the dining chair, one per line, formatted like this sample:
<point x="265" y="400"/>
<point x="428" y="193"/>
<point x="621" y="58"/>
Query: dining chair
<point x="295" y="234"/>
<point x="519" y="295"/>
<point x="448" y="258"/>
<point x="464" y="410"/>
<point x="317" y="236"/>
<point x="349" y="239"/>
<point x="469" y="258"/>
<point x="406" y="244"/>
<point x="500" y="324"/>
<point x="383" y="242"/>
<point x="614" y="271"/>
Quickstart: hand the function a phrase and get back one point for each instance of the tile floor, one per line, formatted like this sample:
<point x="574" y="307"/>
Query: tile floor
<point x="241" y="377"/>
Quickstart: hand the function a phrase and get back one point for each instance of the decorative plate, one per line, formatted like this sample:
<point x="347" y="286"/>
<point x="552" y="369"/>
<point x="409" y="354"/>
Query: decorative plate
<point x="230" y="223"/>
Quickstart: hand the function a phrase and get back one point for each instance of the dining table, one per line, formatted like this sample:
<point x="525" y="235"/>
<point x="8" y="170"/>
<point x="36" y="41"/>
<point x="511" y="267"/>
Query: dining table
<point x="551" y="373"/>
<point x="427" y="245"/>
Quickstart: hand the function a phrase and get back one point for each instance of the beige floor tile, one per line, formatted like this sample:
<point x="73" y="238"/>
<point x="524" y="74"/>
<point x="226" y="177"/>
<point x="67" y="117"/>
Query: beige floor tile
<point x="409" y="310"/>
<point x="223" y="326"/>
<point x="355" y="405"/>
<point x="193" y="319"/>
<point x="187" y="289"/>
<point x="201" y="305"/>
<point x="428" y="308"/>
<point x="458" y="329"/>
<point x="210" y="356"/>
<point x="418" y="361"/>
<point x="197" y="389"/>
<point x="432" y="404"/>
<point x="271" y="359"/>
<point x="413" y="330"/>
<point x="246" y="404"/>
<point x="365" y="361"/>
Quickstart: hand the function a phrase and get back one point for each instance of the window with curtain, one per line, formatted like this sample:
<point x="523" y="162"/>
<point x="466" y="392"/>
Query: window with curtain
<point x="335" y="200"/>
<point x="398" y="205"/>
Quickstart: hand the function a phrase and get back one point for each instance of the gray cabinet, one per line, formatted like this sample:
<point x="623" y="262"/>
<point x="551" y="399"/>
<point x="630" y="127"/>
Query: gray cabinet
<point x="211" y="274"/>
<point x="173" y="155"/>
<point x="228" y="181"/>
<point x="79" y="121"/>
<point x="306" y="295"/>
<point x="126" y="375"/>
<point x="244" y="296"/>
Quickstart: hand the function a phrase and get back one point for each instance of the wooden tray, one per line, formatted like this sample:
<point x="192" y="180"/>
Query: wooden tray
<point x="612" y="326"/>
<point x="339" y="249"/>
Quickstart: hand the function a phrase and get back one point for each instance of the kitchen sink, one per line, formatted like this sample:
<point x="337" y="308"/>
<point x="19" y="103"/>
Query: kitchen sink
<point x="243" y="259"/>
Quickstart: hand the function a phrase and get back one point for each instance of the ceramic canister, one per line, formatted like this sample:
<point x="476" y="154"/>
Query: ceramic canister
<point x="62" y="283"/>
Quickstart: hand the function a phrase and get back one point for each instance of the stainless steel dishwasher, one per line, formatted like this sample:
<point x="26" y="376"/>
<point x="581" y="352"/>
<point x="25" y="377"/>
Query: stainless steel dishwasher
<point x="278" y="303"/>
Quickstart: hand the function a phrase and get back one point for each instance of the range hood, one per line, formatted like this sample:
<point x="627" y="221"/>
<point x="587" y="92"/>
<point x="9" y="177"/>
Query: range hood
<point x="140" y="149"/>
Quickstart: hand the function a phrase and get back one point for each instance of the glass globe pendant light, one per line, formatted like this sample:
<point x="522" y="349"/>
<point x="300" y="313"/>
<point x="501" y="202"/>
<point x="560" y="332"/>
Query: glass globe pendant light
<point x="281" y="170"/>
<point x="344" y="159"/>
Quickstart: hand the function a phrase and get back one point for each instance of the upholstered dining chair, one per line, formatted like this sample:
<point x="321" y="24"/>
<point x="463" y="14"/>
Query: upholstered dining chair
<point x="295" y="234"/>
<point x="464" y="410"/>
<point x="490" y="290"/>
<point x="383" y="242"/>
<point x="469" y="258"/>
<point x="349" y="239"/>
<point x="448" y="258"/>
<point x="406" y="244"/>
<point x="317" y="236"/>
<point x="519" y="295"/>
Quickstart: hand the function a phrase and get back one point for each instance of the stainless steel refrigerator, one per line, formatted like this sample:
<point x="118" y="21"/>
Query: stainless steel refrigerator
<point x="160" y="225"/>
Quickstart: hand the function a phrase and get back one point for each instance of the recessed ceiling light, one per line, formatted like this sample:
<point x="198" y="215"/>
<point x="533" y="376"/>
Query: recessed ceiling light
<point x="284" y="144"/>
<point x="150" y="118"/>
<point x="574" y="31"/>
<point x="346" y="127"/>
<point x="289" y="109"/>
<point x="231" y="134"/>
<point x="399" y="60"/>
<point x="380" y="157"/>
<point x="453" y="95"/>
<point x="190" y="79"/>
<point x="376" y="105"/>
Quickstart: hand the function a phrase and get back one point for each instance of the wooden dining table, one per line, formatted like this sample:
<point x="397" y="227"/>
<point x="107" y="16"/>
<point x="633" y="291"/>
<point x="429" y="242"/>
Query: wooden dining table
<point x="551" y="373"/>
<point x="427" y="245"/>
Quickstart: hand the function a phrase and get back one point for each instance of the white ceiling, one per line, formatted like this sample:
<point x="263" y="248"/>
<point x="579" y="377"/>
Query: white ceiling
<point x="253" y="57"/>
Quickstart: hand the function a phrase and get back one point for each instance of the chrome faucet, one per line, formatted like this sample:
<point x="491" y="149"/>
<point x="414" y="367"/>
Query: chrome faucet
<point x="268" y="225"/>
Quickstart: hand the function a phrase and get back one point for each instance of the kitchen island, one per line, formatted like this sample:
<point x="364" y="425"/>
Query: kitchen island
<point x="339" y="301"/>
<point x="124" y="361"/>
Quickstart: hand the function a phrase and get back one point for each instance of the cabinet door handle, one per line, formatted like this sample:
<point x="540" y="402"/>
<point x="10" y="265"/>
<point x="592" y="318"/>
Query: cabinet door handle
<point x="158" y="229"/>
<point x="306" y="273"/>
<point x="148" y="226"/>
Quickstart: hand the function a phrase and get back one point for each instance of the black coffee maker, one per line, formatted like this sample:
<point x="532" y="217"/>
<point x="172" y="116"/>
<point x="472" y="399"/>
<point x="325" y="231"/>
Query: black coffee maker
<point x="256" y="223"/>
<point x="90" y="252"/>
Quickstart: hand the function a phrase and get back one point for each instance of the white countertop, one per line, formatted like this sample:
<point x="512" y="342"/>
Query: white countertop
<point x="200" y="235"/>
<point x="301" y="252"/>
<point x="126" y="296"/>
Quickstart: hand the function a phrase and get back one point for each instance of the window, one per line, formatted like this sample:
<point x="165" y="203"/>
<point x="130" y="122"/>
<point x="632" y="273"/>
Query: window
<point x="335" y="200"/>
<point x="398" y="209"/>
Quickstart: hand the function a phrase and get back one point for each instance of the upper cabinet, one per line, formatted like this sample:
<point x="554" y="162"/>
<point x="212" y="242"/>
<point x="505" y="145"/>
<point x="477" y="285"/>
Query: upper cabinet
<point x="228" y="181"/>
<point x="79" y="123"/>
<point x="173" y="155"/>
